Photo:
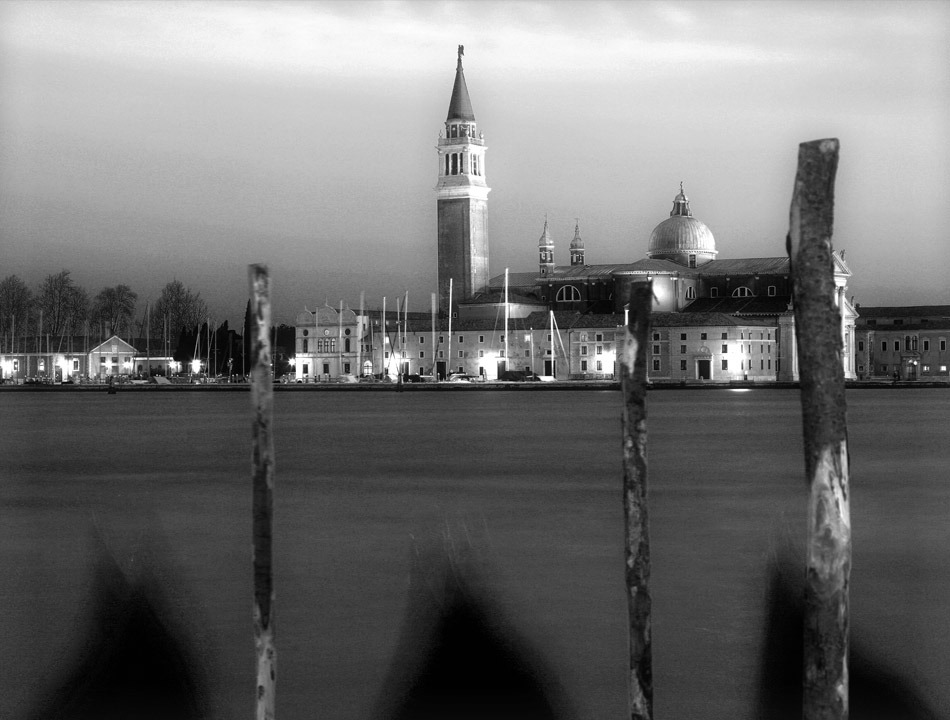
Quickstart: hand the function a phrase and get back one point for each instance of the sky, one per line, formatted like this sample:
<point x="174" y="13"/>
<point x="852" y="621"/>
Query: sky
<point x="142" y="142"/>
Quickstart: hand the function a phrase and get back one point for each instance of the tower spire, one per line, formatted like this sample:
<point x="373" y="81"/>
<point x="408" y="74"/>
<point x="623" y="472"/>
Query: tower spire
<point x="577" y="245"/>
<point x="546" y="250"/>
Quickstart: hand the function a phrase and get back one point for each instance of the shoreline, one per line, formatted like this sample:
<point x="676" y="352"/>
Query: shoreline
<point x="572" y="385"/>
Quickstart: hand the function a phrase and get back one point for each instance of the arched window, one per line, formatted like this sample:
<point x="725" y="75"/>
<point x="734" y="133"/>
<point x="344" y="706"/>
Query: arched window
<point x="568" y="293"/>
<point x="742" y="292"/>
<point x="714" y="292"/>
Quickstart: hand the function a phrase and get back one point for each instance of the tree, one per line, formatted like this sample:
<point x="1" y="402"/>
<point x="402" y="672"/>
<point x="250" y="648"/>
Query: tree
<point x="65" y="305"/>
<point x="182" y="308"/>
<point x="115" y="307"/>
<point x="16" y="300"/>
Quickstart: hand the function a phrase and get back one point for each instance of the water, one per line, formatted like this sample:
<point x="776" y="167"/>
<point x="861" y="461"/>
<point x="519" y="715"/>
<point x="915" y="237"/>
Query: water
<point x="531" y="479"/>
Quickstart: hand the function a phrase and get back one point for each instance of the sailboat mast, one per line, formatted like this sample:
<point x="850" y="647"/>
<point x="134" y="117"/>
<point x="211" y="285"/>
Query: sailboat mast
<point x="359" y="339"/>
<point x="432" y="312"/>
<point x="553" y="360"/>
<point x="506" y="319"/>
<point x="340" y="339"/>
<point x="448" y="365"/>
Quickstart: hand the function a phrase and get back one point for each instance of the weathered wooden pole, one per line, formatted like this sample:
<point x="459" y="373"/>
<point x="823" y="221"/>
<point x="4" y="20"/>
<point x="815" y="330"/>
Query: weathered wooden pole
<point x="633" y="382"/>
<point x="818" y="329"/>
<point x="262" y="473"/>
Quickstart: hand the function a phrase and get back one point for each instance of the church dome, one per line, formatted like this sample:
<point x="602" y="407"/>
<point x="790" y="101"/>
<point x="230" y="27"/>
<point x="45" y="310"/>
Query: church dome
<point x="681" y="237"/>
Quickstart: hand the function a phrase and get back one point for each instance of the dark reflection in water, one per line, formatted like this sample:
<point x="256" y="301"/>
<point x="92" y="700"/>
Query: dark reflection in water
<point x="538" y="476"/>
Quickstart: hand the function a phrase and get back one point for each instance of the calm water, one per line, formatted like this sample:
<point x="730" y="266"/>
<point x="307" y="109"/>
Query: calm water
<point x="533" y="479"/>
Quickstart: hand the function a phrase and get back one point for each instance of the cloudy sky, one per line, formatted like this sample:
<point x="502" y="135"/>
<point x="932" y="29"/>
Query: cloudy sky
<point x="146" y="141"/>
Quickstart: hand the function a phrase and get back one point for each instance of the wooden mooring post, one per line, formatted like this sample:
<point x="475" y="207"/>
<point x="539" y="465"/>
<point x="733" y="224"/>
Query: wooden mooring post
<point x="821" y="373"/>
<point x="262" y="474"/>
<point x="633" y="382"/>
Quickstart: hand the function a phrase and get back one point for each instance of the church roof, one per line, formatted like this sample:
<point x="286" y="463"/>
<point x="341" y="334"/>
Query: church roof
<point x="705" y="319"/>
<point x="460" y="106"/>
<point x="740" y="306"/>
<point x="746" y="266"/>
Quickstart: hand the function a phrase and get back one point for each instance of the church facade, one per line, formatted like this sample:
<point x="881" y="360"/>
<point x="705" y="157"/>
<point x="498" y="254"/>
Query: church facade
<point x="715" y="319"/>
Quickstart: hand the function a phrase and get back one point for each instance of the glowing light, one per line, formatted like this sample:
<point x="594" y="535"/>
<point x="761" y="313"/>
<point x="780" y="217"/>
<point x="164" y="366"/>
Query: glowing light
<point x="195" y="365"/>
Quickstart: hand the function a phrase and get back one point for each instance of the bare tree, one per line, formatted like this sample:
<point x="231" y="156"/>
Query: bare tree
<point x="65" y="305"/>
<point x="181" y="307"/>
<point x="16" y="300"/>
<point x="115" y="307"/>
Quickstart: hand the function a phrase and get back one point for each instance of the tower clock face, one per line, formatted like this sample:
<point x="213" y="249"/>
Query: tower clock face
<point x="326" y="332"/>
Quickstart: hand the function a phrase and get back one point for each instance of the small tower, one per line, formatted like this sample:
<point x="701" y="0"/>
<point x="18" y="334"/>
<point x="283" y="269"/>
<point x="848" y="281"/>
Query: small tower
<point x="462" y="200"/>
<point x="546" y="252"/>
<point x="577" y="246"/>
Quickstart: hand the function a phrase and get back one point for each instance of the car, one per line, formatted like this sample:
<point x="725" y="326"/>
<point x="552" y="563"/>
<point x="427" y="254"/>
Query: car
<point x="462" y="378"/>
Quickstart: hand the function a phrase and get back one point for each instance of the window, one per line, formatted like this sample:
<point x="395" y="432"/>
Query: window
<point x="656" y="336"/>
<point x="761" y="364"/>
<point x="926" y="344"/>
<point x="441" y="354"/>
<point x="583" y="349"/>
<point x="692" y="260"/>
<point x="527" y="353"/>
<point x="682" y="349"/>
<point x="943" y="344"/>
<point x="725" y="336"/>
<point x="583" y="366"/>
<point x="702" y="336"/>
<point x="102" y="360"/>
<point x="771" y="291"/>
<point x="742" y="292"/>
<point x="860" y="345"/>
<point x="600" y="366"/>
<point x="326" y="368"/>
<point x="656" y="364"/>
<point x="656" y="349"/>
<point x="690" y="293"/>
<point x="422" y="354"/>
<point x="725" y="364"/>
<point x="682" y="336"/>
<point x="599" y="350"/>
<point x="725" y="348"/>
<point x="306" y="368"/>
<point x="899" y="321"/>
<point x="883" y="345"/>
<point x="481" y="353"/>
<point x="501" y="338"/>
<point x="441" y="339"/>
<point x="884" y="369"/>
<point x="925" y="368"/>
<point x="682" y="364"/>
<point x="599" y="337"/>
<point x="422" y="339"/>
<point x="714" y="292"/>
<point x="897" y="346"/>
<point x="481" y="338"/>
<point x="461" y="339"/>
<point x="461" y="354"/>
<point x="305" y="345"/>
<point x="346" y="368"/>
<point x="568" y="293"/>
<point x="549" y="337"/>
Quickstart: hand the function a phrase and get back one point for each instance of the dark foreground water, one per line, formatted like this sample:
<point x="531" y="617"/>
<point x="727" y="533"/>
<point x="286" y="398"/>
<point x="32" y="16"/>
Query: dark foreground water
<point x="531" y="480"/>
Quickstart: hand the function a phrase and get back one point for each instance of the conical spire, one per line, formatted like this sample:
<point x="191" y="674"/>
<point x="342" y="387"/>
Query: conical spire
<point x="460" y="106"/>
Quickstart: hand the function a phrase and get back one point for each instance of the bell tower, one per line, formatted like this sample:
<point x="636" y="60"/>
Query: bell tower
<point x="545" y="252"/>
<point x="462" y="200"/>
